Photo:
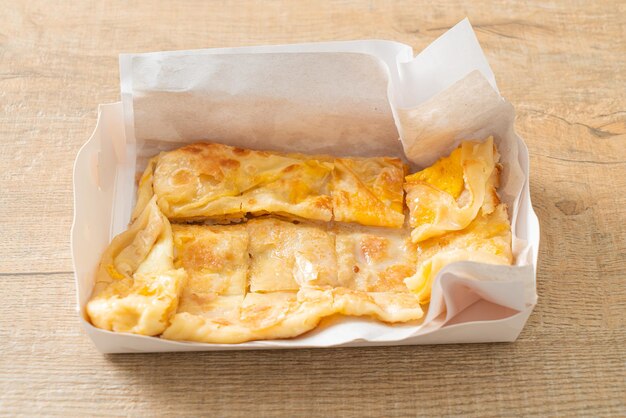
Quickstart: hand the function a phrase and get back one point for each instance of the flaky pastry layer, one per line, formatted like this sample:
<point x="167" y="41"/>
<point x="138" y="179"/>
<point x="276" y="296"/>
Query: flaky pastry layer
<point x="208" y="181"/>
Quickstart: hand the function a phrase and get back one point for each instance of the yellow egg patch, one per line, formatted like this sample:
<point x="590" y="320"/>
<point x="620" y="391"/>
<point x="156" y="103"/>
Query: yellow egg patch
<point x="446" y="174"/>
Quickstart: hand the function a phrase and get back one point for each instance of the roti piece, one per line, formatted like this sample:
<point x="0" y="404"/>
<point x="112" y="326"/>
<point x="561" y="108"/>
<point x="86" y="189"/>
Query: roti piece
<point x="137" y="287"/>
<point x="448" y="195"/>
<point x="262" y="316"/>
<point x="487" y="239"/>
<point x="286" y="256"/>
<point x="210" y="318"/>
<point x="368" y="191"/>
<point x="293" y="281"/>
<point x="384" y="306"/>
<point x="374" y="259"/>
<point x="208" y="181"/>
<point x="145" y="190"/>
<point x="214" y="257"/>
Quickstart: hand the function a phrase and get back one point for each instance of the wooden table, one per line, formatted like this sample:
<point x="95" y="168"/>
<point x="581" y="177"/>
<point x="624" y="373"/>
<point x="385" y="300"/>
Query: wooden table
<point x="562" y="65"/>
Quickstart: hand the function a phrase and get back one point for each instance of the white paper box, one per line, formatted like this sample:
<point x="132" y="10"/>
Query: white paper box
<point x="345" y="98"/>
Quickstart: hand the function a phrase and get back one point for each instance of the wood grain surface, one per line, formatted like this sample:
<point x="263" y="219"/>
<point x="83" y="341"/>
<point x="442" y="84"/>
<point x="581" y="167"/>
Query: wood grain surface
<point x="562" y="65"/>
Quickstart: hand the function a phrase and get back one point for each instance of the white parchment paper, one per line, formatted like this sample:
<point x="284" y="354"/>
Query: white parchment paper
<point x="360" y="98"/>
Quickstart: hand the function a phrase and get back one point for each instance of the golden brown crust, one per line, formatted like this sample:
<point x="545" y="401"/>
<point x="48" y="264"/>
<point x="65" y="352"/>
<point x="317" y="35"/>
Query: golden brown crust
<point x="369" y="191"/>
<point x="214" y="181"/>
<point x="373" y="259"/>
<point x="207" y="181"/>
<point x="286" y="256"/>
<point x="285" y="314"/>
<point x="145" y="190"/>
<point x="374" y="248"/>
<point x="215" y="258"/>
